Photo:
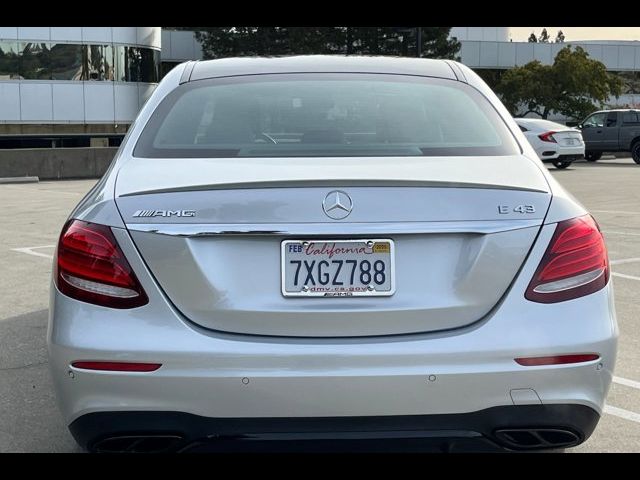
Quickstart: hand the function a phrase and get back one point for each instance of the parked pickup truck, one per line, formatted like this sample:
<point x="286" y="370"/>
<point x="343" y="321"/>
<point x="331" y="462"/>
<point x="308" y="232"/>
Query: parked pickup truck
<point x="611" y="131"/>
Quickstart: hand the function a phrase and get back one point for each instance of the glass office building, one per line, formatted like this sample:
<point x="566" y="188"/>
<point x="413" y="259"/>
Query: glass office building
<point x="60" y="81"/>
<point x="66" y="81"/>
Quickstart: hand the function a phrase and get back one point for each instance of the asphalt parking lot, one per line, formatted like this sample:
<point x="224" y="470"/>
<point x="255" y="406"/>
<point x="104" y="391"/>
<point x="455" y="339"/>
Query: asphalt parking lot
<point x="34" y="214"/>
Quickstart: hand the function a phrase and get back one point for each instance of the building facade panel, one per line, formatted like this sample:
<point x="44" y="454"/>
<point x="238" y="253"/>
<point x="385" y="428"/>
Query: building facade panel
<point x="182" y="47"/>
<point x="35" y="33"/>
<point x="99" y="102"/>
<point x="97" y="35"/>
<point x="542" y="53"/>
<point x="610" y="56"/>
<point x="36" y="102"/>
<point x="626" y="57"/>
<point x="126" y="35"/>
<point x="487" y="34"/>
<point x="126" y="102"/>
<point x="166" y="44"/>
<point x="68" y="102"/>
<point x="524" y="53"/>
<point x="470" y="53"/>
<point x="9" y="102"/>
<point x="489" y="54"/>
<point x="506" y="54"/>
<point x="66" y="34"/>
<point x="9" y="33"/>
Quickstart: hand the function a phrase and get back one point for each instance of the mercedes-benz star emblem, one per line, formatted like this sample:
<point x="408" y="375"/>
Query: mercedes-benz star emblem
<point x="337" y="205"/>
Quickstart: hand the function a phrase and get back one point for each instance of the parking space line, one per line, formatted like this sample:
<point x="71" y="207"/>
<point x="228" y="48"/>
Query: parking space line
<point x="30" y="251"/>
<point x="616" y="211"/>
<point x="60" y="191"/>
<point x="632" y="234"/>
<point x="622" y="275"/>
<point x="625" y="260"/>
<point x="622" y="413"/>
<point x="627" y="382"/>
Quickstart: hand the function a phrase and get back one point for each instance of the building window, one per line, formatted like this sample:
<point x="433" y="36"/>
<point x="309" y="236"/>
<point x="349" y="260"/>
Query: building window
<point x="97" y="62"/>
<point x="60" y="61"/>
<point x="66" y="61"/>
<point x="135" y="64"/>
<point x="9" y="60"/>
<point x="35" y="61"/>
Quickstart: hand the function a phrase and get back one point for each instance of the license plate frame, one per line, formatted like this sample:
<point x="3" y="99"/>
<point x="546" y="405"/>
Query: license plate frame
<point x="348" y="294"/>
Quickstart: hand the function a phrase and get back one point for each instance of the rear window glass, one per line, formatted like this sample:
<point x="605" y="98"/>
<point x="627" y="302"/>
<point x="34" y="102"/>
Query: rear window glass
<point x="296" y="115"/>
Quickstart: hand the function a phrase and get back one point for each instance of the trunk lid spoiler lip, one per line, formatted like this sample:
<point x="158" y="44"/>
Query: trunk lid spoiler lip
<point x="331" y="184"/>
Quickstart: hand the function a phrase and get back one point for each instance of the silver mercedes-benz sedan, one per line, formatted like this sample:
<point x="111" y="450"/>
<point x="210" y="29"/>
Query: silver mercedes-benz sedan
<point x="329" y="248"/>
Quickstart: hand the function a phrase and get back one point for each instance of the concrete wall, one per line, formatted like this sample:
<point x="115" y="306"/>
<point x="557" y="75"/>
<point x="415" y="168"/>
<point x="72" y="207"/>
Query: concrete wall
<point x="56" y="163"/>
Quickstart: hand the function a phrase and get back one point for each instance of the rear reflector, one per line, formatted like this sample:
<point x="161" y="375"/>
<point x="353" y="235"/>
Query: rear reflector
<point x="556" y="359"/>
<point x="92" y="268"/>
<point x="118" y="366"/>
<point x="575" y="263"/>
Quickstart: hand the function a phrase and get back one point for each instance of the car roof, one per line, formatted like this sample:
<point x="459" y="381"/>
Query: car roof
<point x="617" y="110"/>
<point x="226" y="67"/>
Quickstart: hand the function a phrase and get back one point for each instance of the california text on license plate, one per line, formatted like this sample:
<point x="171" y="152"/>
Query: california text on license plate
<point x="338" y="268"/>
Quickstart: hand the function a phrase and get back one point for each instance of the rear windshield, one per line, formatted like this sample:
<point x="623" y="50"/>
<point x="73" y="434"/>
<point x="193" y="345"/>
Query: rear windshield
<point x="327" y="115"/>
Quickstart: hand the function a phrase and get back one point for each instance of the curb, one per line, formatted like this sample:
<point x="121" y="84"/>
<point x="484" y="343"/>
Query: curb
<point x="19" y="180"/>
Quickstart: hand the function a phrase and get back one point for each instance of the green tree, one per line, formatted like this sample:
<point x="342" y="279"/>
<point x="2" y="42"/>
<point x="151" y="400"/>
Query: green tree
<point x="437" y="44"/>
<point x="574" y="85"/>
<point x="220" y="42"/>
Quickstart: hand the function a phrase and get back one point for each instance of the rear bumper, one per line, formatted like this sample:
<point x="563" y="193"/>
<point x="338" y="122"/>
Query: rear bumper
<point x="562" y="153"/>
<point x="564" y="158"/>
<point x="220" y="377"/>
<point x="522" y="427"/>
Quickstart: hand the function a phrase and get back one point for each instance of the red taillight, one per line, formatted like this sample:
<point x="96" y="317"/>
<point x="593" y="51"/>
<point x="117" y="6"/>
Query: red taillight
<point x="118" y="366"/>
<point x="547" y="137"/>
<point x="91" y="267"/>
<point x="556" y="359"/>
<point x="575" y="263"/>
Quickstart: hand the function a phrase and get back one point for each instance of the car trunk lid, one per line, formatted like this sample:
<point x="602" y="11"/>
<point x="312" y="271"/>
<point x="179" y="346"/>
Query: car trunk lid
<point x="211" y="232"/>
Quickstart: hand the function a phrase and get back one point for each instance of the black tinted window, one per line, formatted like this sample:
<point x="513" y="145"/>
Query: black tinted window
<point x="612" y="119"/>
<point x="631" y="118"/>
<point x="324" y="115"/>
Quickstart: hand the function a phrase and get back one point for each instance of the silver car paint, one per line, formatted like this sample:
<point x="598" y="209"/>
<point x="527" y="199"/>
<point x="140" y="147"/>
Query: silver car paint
<point x="202" y="369"/>
<point x="447" y="277"/>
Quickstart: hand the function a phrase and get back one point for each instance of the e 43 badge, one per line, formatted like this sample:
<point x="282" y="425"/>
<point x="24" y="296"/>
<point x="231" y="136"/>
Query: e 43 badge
<point x="504" y="209"/>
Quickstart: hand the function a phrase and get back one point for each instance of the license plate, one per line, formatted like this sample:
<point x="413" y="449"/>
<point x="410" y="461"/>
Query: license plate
<point x="338" y="268"/>
<point x="570" y="141"/>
